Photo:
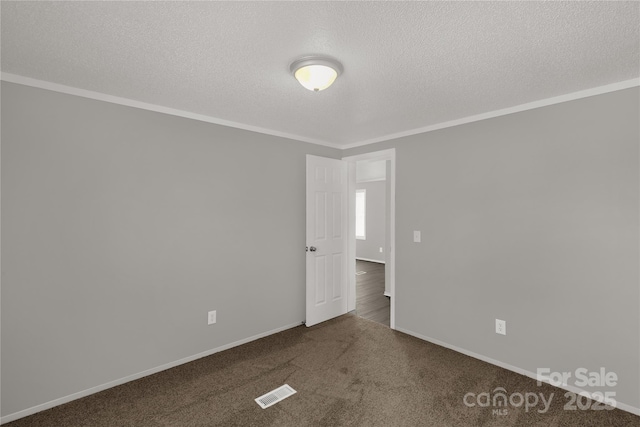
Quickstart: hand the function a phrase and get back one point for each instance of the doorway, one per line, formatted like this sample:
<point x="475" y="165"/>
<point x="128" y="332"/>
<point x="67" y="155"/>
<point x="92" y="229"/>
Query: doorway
<point x="371" y="302"/>
<point x="371" y="254"/>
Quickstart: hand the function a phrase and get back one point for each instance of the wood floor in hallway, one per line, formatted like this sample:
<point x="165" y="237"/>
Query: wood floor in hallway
<point x="370" y="300"/>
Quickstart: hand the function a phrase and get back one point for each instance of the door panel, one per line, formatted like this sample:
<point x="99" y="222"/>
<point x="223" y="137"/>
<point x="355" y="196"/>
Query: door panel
<point x="326" y="239"/>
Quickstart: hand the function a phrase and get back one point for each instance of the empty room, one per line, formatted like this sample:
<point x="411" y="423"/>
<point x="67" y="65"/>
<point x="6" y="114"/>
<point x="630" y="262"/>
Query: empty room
<point x="267" y="213"/>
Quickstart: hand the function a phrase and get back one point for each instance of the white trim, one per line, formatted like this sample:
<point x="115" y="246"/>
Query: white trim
<point x="27" y="81"/>
<point x="502" y="112"/>
<point x="373" y="155"/>
<point x="387" y="294"/>
<point x="128" y="378"/>
<point x="388" y="154"/>
<point x="370" y="260"/>
<point x="370" y="180"/>
<point x="362" y="236"/>
<point x="625" y="407"/>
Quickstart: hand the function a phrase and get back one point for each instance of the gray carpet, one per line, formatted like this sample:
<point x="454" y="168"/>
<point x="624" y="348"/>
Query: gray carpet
<point x="348" y="371"/>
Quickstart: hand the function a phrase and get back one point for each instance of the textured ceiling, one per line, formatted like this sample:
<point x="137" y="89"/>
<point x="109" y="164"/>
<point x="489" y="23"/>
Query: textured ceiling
<point x="407" y="65"/>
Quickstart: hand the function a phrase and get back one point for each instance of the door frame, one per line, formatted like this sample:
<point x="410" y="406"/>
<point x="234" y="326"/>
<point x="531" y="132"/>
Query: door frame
<point x="389" y="154"/>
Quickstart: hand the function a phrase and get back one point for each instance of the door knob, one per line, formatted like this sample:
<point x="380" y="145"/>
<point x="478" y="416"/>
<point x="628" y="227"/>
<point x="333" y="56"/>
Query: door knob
<point x="313" y="249"/>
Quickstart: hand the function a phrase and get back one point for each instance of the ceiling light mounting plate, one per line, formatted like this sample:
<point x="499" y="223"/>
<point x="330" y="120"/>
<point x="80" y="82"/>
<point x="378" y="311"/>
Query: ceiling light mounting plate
<point x="316" y="60"/>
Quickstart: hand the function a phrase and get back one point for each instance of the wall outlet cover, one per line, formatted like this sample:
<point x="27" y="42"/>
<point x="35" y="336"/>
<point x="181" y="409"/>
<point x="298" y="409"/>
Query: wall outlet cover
<point x="211" y="319"/>
<point x="501" y="327"/>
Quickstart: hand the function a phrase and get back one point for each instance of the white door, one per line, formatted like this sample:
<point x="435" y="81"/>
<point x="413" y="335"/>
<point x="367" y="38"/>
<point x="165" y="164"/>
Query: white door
<point x="326" y="239"/>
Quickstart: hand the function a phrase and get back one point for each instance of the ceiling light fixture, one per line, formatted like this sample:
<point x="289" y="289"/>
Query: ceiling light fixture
<point x="316" y="73"/>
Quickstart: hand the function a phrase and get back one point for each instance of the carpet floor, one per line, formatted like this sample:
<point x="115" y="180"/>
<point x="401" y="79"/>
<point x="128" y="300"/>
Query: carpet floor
<point x="348" y="371"/>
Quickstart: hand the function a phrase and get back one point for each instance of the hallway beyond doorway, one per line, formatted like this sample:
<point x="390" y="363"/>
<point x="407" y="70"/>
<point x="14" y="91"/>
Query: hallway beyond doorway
<point x="370" y="300"/>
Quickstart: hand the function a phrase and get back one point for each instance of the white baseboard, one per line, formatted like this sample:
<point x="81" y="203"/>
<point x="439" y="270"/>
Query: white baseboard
<point x="56" y="402"/>
<point x="96" y="389"/>
<point x="370" y="260"/>
<point x="625" y="407"/>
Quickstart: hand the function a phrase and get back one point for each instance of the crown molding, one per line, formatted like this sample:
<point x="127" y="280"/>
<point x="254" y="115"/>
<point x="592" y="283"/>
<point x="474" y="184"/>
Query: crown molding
<point x="503" y="112"/>
<point x="99" y="96"/>
<point x="27" y="81"/>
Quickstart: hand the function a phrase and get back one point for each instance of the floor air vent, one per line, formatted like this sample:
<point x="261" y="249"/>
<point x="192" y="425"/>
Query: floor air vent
<point x="275" y="396"/>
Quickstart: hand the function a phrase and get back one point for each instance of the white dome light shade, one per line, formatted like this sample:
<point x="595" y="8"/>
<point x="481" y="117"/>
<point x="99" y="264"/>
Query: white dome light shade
<point x="316" y="77"/>
<point x="316" y="73"/>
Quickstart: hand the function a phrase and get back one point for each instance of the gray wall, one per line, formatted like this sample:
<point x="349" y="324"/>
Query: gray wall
<point x="531" y="218"/>
<point x="374" y="223"/>
<point x="122" y="227"/>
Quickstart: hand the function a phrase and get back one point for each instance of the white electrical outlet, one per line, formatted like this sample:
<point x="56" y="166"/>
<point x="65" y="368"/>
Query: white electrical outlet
<point x="501" y="327"/>
<point x="416" y="237"/>
<point x="212" y="317"/>
<point x="380" y="249"/>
